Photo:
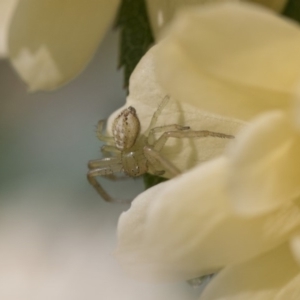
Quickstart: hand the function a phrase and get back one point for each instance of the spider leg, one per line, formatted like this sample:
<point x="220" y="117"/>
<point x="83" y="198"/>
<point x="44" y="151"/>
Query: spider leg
<point x="173" y="127"/>
<point x="154" y="156"/>
<point x="107" y="170"/>
<point x="103" y="162"/>
<point x="159" y="173"/>
<point x="107" y="148"/>
<point x="159" y="144"/>
<point x="110" y="151"/>
<point x="100" y="132"/>
<point x="105" y="167"/>
<point x="155" y="116"/>
<point x="107" y="161"/>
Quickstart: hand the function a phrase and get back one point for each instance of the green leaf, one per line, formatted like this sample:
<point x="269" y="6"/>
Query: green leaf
<point x="151" y="180"/>
<point x="135" y="35"/>
<point x="135" y="39"/>
<point x="292" y="10"/>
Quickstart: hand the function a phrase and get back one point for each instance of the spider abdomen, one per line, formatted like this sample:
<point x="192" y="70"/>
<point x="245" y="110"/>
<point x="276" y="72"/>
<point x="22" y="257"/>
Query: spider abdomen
<point x="126" y="128"/>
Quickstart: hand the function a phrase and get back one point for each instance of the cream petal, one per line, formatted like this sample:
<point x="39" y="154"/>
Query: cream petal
<point x="262" y="278"/>
<point x="50" y="42"/>
<point x="291" y="291"/>
<point x="265" y="165"/>
<point x="185" y="227"/>
<point x="161" y="12"/>
<point x="232" y="59"/>
<point x="295" y="246"/>
<point x="146" y="94"/>
<point x="6" y="10"/>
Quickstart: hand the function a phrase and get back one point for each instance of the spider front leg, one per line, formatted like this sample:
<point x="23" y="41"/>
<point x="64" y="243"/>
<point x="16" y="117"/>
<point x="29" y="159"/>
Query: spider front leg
<point x="110" y="151"/>
<point x="96" y="163"/>
<point x="103" y="162"/>
<point x="152" y="151"/>
<point x="100" y="134"/>
<point x="107" y="149"/>
<point x="159" y="144"/>
<point x="156" y="114"/>
<point x="166" y="128"/>
<point x="103" y="167"/>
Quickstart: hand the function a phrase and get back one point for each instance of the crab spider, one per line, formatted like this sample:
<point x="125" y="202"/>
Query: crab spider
<point x="136" y="154"/>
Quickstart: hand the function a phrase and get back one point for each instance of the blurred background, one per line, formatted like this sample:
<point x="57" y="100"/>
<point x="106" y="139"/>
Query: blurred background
<point x="57" y="236"/>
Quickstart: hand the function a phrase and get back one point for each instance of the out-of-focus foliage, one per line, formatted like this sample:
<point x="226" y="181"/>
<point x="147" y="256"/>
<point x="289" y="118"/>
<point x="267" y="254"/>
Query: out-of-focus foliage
<point x="292" y="10"/>
<point x="135" y="35"/>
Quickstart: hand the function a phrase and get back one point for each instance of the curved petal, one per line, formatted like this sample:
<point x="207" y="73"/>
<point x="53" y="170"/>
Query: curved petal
<point x="185" y="227"/>
<point x="232" y="59"/>
<point x="291" y="291"/>
<point x="145" y="96"/>
<point x="6" y="10"/>
<point x="265" y="165"/>
<point x="295" y="246"/>
<point x="262" y="278"/>
<point x="51" y="41"/>
<point x="161" y="12"/>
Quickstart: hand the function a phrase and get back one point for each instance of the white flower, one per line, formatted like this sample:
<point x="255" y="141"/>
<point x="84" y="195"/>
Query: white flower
<point x="51" y="42"/>
<point x="258" y="71"/>
<point x="146" y="95"/>
<point x="161" y="12"/>
<point x="238" y="212"/>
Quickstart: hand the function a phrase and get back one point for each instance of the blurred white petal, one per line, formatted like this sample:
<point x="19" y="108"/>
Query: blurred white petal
<point x="53" y="245"/>
<point x="262" y="278"/>
<point x="161" y="12"/>
<point x="69" y="33"/>
<point x="38" y="68"/>
<point x="232" y="59"/>
<point x="291" y="291"/>
<point x="185" y="227"/>
<point x="265" y="165"/>
<point x="145" y="96"/>
<point x="6" y="10"/>
<point x="295" y="245"/>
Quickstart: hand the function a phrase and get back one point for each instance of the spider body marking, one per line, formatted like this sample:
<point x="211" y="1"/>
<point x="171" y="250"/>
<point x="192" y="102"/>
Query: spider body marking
<point x="126" y="129"/>
<point x="135" y="154"/>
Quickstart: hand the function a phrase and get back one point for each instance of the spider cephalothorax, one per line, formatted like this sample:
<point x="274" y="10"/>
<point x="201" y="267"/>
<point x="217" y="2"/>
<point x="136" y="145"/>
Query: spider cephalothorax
<point x="134" y="153"/>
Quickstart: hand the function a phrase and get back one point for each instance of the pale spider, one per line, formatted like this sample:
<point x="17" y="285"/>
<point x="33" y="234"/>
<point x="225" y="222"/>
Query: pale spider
<point x="135" y="154"/>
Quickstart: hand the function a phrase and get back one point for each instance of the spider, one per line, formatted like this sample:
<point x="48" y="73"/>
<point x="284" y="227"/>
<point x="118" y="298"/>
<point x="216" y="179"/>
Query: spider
<point x="135" y="154"/>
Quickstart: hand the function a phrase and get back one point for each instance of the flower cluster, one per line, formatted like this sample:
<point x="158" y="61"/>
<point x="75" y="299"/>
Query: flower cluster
<point x="50" y="42"/>
<point x="238" y="213"/>
<point x="229" y="67"/>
